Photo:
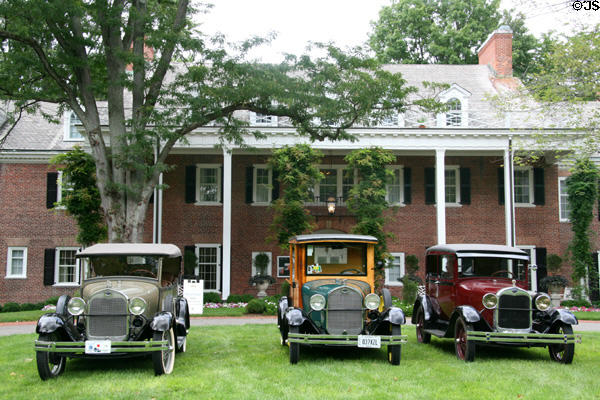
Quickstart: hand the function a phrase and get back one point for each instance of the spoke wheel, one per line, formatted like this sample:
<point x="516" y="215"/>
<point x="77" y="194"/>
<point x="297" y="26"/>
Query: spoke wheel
<point x="422" y="336"/>
<point x="562" y="353"/>
<point x="465" y="350"/>
<point x="49" y="365"/>
<point x="164" y="360"/>
<point x="394" y="352"/>
<point x="294" y="347"/>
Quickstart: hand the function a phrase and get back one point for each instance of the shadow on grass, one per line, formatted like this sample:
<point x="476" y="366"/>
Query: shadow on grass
<point x="493" y="352"/>
<point x="141" y="364"/>
<point x="322" y="354"/>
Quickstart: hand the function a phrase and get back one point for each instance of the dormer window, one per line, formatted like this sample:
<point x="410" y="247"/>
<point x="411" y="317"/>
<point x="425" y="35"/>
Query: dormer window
<point x="454" y="113"/>
<point x="72" y="128"/>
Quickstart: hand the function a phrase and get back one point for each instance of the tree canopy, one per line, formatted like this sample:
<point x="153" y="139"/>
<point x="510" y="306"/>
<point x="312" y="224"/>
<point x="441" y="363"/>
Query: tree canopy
<point x="140" y="76"/>
<point x="446" y="32"/>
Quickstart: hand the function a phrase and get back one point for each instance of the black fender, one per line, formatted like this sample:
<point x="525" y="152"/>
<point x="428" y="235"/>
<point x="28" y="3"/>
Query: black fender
<point x="50" y="323"/>
<point x="564" y="316"/>
<point x="162" y="321"/>
<point x="61" y="305"/>
<point x="182" y="320"/>
<point x="467" y="313"/>
<point x="427" y="309"/>
<point x="282" y="307"/>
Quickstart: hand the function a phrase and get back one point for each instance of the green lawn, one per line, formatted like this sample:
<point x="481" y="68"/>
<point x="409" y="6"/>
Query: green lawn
<point x="21" y="316"/>
<point x="247" y="362"/>
<point x="587" y="315"/>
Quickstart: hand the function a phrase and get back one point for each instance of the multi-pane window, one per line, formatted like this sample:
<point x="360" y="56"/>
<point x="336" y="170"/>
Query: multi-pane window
<point x="67" y="271"/>
<point x="328" y="185"/>
<point x="451" y="179"/>
<point x="209" y="266"/>
<point x="72" y="128"/>
<point x="394" y="187"/>
<point x="395" y="270"/>
<point x="259" y="119"/>
<point x="209" y="184"/>
<point x="262" y="184"/>
<point x="336" y="183"/>
<point x="453" y="115"/>
<point x="563" y="199"/>
<point x="16" y="262"/>
<point x="523" y="185"/>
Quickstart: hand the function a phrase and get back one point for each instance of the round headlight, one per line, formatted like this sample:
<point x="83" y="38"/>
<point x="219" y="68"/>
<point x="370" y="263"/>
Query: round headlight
<point x="76" y="306"/>
<point x="542" y="302"/>
<point x="317" y="302"/>
<point x="137" y="306"/>
<point x="490" y="301"/>
<point x="372" y="301"/>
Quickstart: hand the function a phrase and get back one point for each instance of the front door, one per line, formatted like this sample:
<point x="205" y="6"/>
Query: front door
<point x="209" y="266"/>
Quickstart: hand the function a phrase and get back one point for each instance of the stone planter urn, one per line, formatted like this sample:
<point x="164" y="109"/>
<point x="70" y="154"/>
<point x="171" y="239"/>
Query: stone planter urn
<point x="262" y="288"/>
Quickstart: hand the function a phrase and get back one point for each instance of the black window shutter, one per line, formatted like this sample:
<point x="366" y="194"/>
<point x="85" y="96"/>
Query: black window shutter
<point x="51" y="189"/>
<point x="249" y="183"/>
<point x="429" y="185"/>
<point x="501" y="186"/>
<point x="188" y="249"/>
<point x="49" y="257"/>
<point x="190" y="184"/>
<point x="542" y="271"/>
<point x="151" y="200"/>
<point x="465" y="186"/>
<point x="275" y="191"/>
<point x="222" y="181"/>
<point x="407" y="185"/>
<point x="539" y="197"/>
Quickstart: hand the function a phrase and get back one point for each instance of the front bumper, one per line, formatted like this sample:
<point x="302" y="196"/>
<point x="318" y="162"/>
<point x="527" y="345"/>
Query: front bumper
<point x="522" y="338"/>
<point x="341" y="340"/>
<point x="115" y="347"/>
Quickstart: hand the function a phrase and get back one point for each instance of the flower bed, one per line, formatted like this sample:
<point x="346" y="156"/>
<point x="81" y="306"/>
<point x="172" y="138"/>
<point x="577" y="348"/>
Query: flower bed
<point x="225" y="305"/>
<point x="581" y="309"/>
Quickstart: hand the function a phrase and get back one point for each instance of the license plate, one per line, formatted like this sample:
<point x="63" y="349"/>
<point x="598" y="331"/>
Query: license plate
<point x="368" y="341"/>
<point x="97" y="346"/>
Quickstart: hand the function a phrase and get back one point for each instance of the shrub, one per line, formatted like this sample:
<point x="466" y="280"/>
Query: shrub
<point x="409" y="291"/>
<point x="239" y="298"/>
<point x="52" y="300"/>
<point x="256" y="306"/>
<point x="11" y="307"/>
<point x="212" y="297"/>
<point x="285" y="288"/>
<point x="29" y="307"/>
<point x="575" y="303"/>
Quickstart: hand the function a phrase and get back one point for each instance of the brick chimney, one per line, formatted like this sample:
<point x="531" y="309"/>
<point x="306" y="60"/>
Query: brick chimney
<point x="496" y="52"/>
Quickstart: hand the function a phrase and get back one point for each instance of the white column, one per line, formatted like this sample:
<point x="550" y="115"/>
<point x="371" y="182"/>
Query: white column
<point x="508" y="198"/>
<point x="226" y="261"/>
<point x="440" y="195"/>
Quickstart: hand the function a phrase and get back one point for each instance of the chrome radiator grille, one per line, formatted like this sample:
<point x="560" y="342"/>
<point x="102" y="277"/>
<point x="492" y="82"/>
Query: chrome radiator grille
<point x="107" y="315"/>
<point x="344" y="311"/>
<point x="514" y="309"/>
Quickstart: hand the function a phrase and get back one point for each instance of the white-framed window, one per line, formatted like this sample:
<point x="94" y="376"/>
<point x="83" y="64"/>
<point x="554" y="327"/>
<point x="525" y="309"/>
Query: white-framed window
<point x="454" y="113"/>
<point x="257" y="119"/>
<point x="72" y="124"/>
<point x="563" y="200"/>
<point x="523" y="182"/>
<point x="283" y="266"/>
<point x="209" y="266"/>
<point x="395" y="270"/>
<point x="395" y="189"/>
<point x="208" y="184"/>
<point x="452" y="181"/>
<point x="262" y="184"/>
<point x="16" y="263"/>
<point x="66" y="271"/>
<point x="269" y="270"/>
<point x="336" y="183"/>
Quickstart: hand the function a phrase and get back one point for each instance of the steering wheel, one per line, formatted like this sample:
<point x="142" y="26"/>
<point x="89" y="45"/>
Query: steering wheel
<point x="502" y="271"/>
<point x="351" y="271"/>
<point x="145" y="271"/>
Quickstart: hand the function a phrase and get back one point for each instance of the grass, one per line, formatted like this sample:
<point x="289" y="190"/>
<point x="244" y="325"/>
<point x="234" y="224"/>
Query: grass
<point x="587" y="315"/>
<point x="21" y="316"/>
<point x="247" y="362"/>
<point x="221" y="312"/>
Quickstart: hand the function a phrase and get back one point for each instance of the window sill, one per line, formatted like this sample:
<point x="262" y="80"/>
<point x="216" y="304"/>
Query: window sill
<point x="15" y="277"/>
<point x="566" y="221"/>
<point x="73" y="140"/>
<point x="66" y="285"/>
<point x="261" y="204"/>
<point x="208" y="203"/>
<point x="283" y="276"/>
<point x="395" y="284"/>
<point x="525" y="205"/>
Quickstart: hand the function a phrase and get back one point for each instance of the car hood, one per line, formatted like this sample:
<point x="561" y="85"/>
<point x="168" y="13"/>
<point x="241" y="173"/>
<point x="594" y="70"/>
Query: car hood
<point x="324" y="286"/>
<point x="130" y="288"/>
<point x="475" y="288"/>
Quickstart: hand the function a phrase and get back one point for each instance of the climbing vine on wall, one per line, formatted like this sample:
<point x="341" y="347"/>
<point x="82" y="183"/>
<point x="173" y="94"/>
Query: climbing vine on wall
<point x="297" y="171"/>
<point x="582" y="190"/>
<point x="367" y="199"/>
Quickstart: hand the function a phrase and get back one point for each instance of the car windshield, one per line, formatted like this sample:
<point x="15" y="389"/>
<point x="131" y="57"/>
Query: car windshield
<point x="492" y="267"/>
<point x="140" y="266"/>
<point x="336" y="259"/>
